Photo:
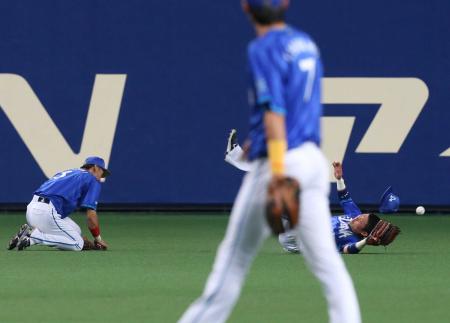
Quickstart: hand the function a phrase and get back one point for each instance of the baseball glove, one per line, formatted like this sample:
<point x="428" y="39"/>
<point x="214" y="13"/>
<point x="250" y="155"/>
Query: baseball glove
<point x="282" y="203"/>
<point x="89" y="245"/>
<point x="383" y="234"/>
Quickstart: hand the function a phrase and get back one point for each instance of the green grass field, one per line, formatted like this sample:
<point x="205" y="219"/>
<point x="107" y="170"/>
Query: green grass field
<point x="157" y="265"/>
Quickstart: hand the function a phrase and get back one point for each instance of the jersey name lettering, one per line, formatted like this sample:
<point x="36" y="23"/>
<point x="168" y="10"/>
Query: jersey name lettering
<point x="344" y="228"/>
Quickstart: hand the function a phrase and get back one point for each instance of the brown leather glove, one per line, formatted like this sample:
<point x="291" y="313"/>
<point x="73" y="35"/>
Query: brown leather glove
<point x="283" y="201"/>
<point x="383" y="234"/>
<point x="98" y="246"/>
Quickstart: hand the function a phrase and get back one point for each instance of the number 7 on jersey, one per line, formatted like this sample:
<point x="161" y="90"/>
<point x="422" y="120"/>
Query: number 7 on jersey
<point x="308" y="65"/>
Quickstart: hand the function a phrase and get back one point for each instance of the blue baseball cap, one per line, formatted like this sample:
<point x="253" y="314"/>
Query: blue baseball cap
<point x="97" y="161"/>
<point x="267" y="3"/>
<point x="389" y="202"/>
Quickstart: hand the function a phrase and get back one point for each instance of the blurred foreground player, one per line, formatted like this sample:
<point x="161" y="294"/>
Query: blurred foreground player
<point x="351" y="231"/>
<point x="48" y="212"/>
<point x="283" y="141"/>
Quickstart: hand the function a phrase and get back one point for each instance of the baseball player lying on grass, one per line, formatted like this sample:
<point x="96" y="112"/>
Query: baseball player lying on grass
<point x="48" y="212"/>
<point x="353" y="230"/>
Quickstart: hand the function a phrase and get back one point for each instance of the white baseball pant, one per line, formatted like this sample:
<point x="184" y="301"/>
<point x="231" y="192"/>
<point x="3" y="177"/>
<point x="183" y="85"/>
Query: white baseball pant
<point x="50" y="230"/>
<point x="247" y="229"/>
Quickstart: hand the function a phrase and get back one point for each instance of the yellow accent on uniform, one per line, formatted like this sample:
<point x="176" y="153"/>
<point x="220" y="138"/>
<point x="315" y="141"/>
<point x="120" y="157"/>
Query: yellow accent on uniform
<point x="277" y="149"/>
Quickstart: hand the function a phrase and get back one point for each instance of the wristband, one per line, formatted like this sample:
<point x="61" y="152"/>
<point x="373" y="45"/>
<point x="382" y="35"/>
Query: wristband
<point x="360" y="244"/>
<point x="277" y="149"/>
<point x="95" y="232"/>
<point x="340" y="184"/>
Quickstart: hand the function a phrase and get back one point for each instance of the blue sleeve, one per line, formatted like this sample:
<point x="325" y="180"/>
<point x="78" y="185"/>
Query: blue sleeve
<point x="267" y="80"/>
<point x="90" y="199"/>
<point x="350" y="207"/>
<point x="351" y="248"/>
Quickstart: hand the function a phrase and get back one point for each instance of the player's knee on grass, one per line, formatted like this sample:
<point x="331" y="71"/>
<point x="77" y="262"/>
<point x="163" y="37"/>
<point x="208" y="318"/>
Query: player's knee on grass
<point x="80" y="243"/>
<point x="77" y="244"/>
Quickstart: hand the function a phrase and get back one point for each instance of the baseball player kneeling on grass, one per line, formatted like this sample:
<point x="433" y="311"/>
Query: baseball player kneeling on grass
<point x="48" y="212"/>
<point x="353" y="230"/>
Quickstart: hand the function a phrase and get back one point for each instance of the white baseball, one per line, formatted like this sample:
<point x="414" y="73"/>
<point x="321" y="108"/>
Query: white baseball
<point x="420" y="210"/>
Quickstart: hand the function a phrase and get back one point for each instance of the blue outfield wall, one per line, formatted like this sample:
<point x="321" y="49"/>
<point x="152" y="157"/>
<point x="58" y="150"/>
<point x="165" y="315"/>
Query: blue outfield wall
<point x="164" y="81"/>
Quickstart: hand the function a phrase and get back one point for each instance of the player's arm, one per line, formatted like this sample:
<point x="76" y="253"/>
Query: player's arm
<point x="268" y="85"/>
<point x="276" y="141"/>
<point x="356" y="247"/>
<point x="89" y="203"/>
<point x="347" y="203"/>
<point x="94" y="227"/>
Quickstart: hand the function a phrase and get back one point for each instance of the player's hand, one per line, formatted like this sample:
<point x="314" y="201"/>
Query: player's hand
<point x="101" y="245"/>
<point x="96" y="245"/>
<point x="338" y="173"/>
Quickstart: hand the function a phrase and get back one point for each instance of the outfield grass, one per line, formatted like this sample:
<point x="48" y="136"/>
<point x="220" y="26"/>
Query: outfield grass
<point x="158" y="264"/>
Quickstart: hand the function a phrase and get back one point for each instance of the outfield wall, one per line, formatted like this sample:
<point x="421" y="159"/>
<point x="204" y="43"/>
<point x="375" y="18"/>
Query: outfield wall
<point x="154" y="87"/>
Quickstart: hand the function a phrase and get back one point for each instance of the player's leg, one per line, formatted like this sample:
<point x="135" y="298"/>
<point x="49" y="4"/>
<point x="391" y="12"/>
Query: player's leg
<point x="24" y="231"/>
<point x="320" y="252"/>
<point x="317" y="241"/>
<point x="245" y="233"/>
<point x="64" y="241"/>
<point x="72" y="224"/>
<point x="50" y="230"/>
<point x="235" y="158"/>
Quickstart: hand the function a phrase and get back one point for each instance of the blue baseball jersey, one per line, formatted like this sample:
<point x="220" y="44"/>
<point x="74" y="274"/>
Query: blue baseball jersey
<point x="343" y="235"/>
<point x="285" y="77"/>
<point x="71" y="189"/>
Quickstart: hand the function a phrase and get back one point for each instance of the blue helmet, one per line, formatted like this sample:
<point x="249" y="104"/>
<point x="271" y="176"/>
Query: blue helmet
<point x="389" y="202"/>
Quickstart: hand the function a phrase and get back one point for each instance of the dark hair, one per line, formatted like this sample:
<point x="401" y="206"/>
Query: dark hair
<point x="371" y="223"/>
<point x="87" y="166"/>
<point x="266" y="15"/>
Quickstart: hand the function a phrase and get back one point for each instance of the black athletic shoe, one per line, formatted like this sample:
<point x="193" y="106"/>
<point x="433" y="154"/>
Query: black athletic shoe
<point x="25" y="230"/>
<point x="24" y="242"/>
<point x="232" y="141"/>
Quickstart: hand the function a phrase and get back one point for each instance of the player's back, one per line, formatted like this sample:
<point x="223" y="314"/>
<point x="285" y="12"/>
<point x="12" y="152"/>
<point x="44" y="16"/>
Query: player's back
<point x="342" y="232"/>
<point x="286" y="74"/>
<point x="66" y="189"/>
